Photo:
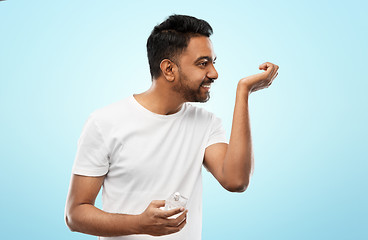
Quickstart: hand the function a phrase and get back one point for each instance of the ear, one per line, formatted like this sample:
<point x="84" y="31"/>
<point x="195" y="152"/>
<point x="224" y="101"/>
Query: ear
<point x="168" y="68"/>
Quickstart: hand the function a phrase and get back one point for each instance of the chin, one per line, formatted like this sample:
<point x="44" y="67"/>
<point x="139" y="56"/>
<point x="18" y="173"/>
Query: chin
<point x="203" y="100"/>
<point x="197" y="97"/>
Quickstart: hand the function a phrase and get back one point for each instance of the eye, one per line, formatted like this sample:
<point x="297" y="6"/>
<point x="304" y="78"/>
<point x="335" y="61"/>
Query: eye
<point x="203" y="64"/>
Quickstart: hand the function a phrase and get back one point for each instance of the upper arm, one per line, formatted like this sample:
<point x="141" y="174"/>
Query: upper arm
<point x="83" y="190"/>
<point x="214" y="161"/>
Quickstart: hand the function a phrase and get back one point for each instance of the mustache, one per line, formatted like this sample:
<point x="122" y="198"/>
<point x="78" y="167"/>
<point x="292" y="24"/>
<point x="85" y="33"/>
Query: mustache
<point x="209" y="81"/>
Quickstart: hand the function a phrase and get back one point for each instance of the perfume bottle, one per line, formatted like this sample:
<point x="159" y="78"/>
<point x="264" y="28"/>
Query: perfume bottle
<point x="176" y="200"/>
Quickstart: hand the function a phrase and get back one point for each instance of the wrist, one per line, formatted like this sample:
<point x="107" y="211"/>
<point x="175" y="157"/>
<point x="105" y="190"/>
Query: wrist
<point x="243" y="90"/>
<point x="137" y="224"/>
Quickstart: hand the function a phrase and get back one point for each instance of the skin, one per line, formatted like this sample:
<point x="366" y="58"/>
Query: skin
<point x="231" y="164"/>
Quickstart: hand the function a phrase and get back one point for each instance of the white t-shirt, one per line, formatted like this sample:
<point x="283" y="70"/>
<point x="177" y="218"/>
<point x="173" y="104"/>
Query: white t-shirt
<point x="148" y="156"/>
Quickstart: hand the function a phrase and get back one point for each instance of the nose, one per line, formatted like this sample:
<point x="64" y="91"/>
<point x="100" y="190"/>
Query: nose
<point x="212" y="73"/>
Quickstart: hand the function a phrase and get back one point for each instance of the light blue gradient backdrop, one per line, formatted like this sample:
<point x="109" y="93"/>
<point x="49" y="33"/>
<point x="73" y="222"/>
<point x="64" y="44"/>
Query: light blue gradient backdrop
<point x="60" y="60"/>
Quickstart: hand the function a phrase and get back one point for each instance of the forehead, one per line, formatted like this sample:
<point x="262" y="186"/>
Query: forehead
<point x="198" y="47"/>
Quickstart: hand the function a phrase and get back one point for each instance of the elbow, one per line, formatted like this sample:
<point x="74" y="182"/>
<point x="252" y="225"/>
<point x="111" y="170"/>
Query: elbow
<point x="238" y="189"/>
<point x="239" y="186"/>
<point x="70" y="222"/>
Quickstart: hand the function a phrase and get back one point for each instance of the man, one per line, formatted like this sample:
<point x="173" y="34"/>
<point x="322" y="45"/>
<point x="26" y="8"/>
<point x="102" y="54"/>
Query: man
<point x="150" y="145"/>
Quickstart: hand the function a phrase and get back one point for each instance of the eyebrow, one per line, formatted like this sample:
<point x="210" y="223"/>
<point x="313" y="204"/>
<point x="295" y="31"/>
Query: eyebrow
<point x="206" y="57"/>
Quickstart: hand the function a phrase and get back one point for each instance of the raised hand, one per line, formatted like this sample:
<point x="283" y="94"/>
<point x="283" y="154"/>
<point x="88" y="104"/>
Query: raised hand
<point x="261" y="80"/>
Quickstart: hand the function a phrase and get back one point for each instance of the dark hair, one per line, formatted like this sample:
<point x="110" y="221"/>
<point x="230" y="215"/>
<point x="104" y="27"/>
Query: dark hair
<point x="170" y="38"/>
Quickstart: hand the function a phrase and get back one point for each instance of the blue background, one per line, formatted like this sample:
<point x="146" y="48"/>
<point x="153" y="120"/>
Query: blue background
<point x="61" y="60"/>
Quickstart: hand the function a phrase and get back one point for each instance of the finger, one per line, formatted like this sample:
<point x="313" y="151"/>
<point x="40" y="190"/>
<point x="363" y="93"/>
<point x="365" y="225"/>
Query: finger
<point x="263" y="66"/>
<point x="275" y="76"/>
<point x="268" y="84"/>
<point x="171" y="212"/>
<point x="276" y="68"/>
<point x="177" y="221"/>
<point x="158" y="203"/>
<point x="177" y="228"/>
<point x="267" y="66"/>
<point x="269" y="70"/>
<point x="182" y="223"/>
<point x="273" y="72"/>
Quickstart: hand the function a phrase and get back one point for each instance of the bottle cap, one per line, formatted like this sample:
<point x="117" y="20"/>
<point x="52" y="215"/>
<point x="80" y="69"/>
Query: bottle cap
<point x="176" y="196"/>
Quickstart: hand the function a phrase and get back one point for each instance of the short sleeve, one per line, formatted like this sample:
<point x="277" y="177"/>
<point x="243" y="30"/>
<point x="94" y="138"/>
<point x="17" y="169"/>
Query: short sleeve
<point x="217" y="132"/>
<point x="92" y="156"/>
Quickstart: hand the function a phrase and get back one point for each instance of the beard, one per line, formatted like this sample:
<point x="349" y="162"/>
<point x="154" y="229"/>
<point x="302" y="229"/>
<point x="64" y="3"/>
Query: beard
<point x="189" y="93"/>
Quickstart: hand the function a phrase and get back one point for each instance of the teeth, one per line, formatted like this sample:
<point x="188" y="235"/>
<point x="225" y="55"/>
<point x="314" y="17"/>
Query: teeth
<point x="207" y="86"/>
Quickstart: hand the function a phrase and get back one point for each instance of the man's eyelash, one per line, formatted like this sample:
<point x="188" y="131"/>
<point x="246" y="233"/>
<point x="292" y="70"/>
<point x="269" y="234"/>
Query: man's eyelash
<point x="205" y="63"/>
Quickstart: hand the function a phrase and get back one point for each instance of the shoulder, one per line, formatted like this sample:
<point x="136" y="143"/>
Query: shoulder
<point x="112" y="112"/>
<point x="199" y="112"/>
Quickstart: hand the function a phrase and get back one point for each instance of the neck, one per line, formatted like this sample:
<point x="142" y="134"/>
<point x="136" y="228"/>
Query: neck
<point x="160" y="99"/>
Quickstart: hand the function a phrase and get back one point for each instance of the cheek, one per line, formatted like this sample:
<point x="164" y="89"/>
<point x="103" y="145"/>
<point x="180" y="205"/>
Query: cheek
<point x="198" y="76"/>
<point x="203" y="79"/>
<point x="194" y="77"/>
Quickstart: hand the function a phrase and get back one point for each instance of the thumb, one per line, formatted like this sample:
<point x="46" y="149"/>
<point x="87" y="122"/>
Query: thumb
<point x="157" y="203"/>
<point x="264" y="66"/>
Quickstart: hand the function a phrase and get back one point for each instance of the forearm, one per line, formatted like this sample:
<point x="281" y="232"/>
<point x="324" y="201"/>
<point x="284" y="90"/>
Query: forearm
<point x="86" y="218"/>
<point x="238" y="162"/>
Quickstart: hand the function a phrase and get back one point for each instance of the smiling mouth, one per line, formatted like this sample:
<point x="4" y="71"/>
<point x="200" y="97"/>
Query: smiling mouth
<point x="206" y="86"/>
